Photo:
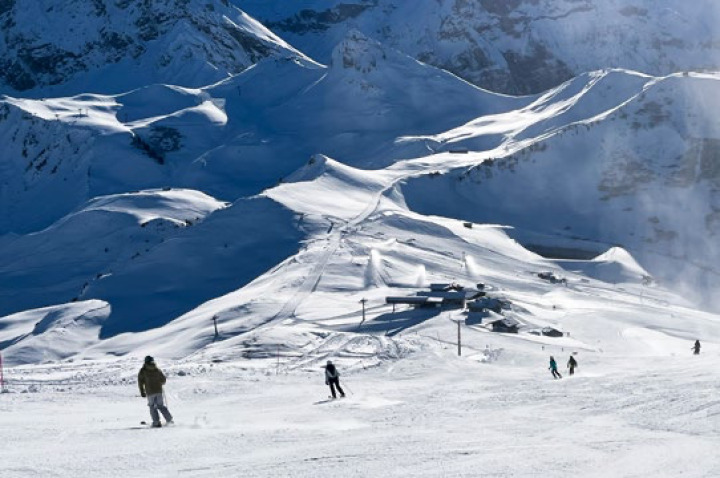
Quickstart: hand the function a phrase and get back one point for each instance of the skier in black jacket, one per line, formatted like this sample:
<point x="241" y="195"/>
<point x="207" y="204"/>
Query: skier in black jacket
<point x="332" y="378"/>
<point x="572" y="363"/>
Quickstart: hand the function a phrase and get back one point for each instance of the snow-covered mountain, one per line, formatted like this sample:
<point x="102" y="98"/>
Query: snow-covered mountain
<point x="230" y="139"/>
<point x="643" y="175"/>
<point x="52" y="48"/>
<point x="277" y="181"/>
<point x="518" y="46"/>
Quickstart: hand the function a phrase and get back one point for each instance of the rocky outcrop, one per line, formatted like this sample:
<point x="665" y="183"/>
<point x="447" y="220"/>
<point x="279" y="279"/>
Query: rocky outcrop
<point x="126" y="44"/>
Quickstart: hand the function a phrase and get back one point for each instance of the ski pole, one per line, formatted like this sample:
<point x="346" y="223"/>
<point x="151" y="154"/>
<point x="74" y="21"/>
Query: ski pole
<point x="349" y="389"/>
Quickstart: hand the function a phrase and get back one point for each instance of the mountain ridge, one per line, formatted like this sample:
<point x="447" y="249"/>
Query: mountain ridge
<point x="112" y="47"/>
<point x="516" y="47"/>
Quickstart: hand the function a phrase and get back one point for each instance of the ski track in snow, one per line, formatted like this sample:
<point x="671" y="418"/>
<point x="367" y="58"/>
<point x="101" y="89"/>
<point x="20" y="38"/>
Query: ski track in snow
<point x="429" y="415"/>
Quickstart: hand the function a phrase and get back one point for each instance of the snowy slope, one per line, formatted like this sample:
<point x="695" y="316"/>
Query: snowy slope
<point x="60" y="263"/>
<point x="52" y="333"/>
<point x="216" y="175"/>
<point x="427" y="416"/>
<point x="152" y="248"/>
<point x="520" y="46"/>
<point x="52" y="48"/>
<point x="511" y="150"/>
<point x="230" y="140"/>
<point x="616" y="178"/>
<point x="412" y="405"/>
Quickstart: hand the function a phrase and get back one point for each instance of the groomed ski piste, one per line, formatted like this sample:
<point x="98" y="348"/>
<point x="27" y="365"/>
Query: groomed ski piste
<point x="640" y="403"/>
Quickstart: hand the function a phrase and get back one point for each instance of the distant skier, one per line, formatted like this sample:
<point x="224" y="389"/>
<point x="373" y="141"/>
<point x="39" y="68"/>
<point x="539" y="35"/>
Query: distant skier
<point x="696" y="347"/>
<point x="572" y="363"/>
<point x="151" y="381"/>
<point x="553" y="368"/>
<point x="332" y="378"/>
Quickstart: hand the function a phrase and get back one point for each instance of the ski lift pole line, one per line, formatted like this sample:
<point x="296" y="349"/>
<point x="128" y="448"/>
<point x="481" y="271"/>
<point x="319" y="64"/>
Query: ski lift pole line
<point x="459" y="335"/>
<point x="217" y="334"/>
<point x="363" y="301"/>
<point x="2" y="375"/>
<point x="459" y="340"/>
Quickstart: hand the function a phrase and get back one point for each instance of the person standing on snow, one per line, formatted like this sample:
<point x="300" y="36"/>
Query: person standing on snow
<point x="151" y="381"/>
<point x="572" y="363"/>
<point x="553" y="368"/>
<point x="332" y="378"/>
<point x="696" y="347"/>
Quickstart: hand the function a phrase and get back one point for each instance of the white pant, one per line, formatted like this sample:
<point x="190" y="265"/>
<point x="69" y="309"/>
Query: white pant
<point x="156" y="402"/>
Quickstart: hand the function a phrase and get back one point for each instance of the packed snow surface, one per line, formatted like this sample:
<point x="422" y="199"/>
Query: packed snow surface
<point x="639" y="405"/>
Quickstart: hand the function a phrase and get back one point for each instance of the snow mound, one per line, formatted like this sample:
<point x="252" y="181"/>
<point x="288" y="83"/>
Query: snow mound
<point x="614" y="266"/>
<point x="51" y="333"/>
<point x="325" y="186"/>
<point x="155" y="100"/>
<point x="175" y="205"/>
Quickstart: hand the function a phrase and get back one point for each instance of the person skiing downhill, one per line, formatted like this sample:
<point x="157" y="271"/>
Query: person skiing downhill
<point x="572" y="363"/>
<point x="553" y="368"/>
<point x="696" y="348"/>
<point x="151" y="381"/>
<point x="332" y="378"/>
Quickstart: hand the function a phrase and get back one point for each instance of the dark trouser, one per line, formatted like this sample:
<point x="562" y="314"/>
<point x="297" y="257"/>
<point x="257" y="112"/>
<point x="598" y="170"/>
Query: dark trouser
<point x="335" y="383"/>
<point x="555" y="373"/>
<point x="572" y="370"/>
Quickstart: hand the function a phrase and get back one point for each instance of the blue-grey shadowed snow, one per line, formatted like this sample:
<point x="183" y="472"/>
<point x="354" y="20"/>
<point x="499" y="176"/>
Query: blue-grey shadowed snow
<point x="394" y="323"/>
<point x="227" y="251"/>
<point x="151" y="269"/>
<point x="58" y="264"/>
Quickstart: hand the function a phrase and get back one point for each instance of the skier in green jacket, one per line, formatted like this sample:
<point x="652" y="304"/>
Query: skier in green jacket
<point x="553" y="368"/>
<point x="151" y="381"/>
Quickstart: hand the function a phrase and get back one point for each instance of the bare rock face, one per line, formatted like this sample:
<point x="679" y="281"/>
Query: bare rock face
<point x="357" y="52"/>
<point x="134" y="42"/>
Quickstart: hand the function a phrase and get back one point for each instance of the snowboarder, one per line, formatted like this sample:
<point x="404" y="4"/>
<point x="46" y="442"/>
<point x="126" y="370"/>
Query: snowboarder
<point x="332" y="378"/>
<point x="553" y="368"/>
<point x="696" y="347"/>
<point x="151" y="381"/>
<point x="572" y="363"/>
